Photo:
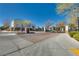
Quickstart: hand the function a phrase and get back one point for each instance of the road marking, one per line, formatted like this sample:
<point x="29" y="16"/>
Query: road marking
<point x="75" y="51"/>
<point x="6" y="34"/>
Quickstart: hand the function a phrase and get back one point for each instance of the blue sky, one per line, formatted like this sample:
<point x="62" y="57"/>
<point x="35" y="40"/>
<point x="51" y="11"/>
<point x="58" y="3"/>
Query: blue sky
<point x="38" y="13"/>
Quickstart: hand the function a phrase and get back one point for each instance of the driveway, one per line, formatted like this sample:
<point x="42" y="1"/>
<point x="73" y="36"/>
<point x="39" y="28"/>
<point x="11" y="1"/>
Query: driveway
<point x="53" y="45"/>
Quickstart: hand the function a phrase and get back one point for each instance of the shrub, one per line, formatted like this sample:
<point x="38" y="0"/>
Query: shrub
<point x="76" y="36"/>
<point x="72" y="33"/>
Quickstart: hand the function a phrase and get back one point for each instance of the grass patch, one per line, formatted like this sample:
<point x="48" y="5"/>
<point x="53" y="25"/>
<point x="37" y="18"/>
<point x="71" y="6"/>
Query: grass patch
<point x="74" y="34"/>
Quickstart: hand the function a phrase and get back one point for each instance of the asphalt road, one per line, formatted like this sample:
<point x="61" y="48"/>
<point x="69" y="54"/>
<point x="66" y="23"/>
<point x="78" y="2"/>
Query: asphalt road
<point x="56" y="45"/>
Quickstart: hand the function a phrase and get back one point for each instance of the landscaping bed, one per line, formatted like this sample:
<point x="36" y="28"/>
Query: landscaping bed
<point x="74" y="34"/>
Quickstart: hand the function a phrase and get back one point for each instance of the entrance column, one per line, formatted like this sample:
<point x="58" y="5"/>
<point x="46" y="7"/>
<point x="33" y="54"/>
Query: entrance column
<point x="12" y="25"/>
<point x="44" y="29"/>
<point x="25" y="29"/>
<point x="66" y="28"/>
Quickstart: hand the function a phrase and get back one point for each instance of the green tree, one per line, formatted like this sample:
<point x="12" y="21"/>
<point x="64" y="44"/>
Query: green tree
<point x="61" y="8"/>
<point x="24" y="24"/>
<point x="72" y="26"/>
<point x="69" y="10"/>
<point x="48" y="24"/>
<point x="6" y="25"/>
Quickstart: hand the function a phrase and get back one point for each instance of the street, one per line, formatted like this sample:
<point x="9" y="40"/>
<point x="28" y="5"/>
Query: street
<point x="40" y="44"/>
